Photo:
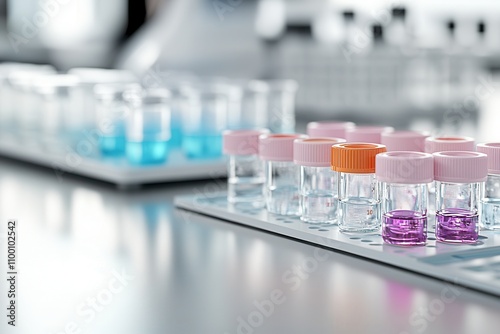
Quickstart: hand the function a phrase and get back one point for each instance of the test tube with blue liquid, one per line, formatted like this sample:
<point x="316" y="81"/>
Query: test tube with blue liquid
<point x="148" y="126"/>
<point x="205" y="119"/>
<point x="112" y="110"/>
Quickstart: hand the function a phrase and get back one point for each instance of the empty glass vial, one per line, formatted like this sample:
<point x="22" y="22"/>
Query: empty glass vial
<point x="245" y="169"/>
<point x="413" y="141"/>
<point x="148" y="127"/>
<point x="359" y="202"/>
<point x="328" y="129"/>
<point x="403" y="178"/>
<point x="318" y="182"/>
<point x="460" y="180"/>
<point x="443" y="144"/>
<point x="112" y="110"/>
<point x="281" y="174"/>
<point x="490" y="213"/>
<point x="367" y="134"/>
<point x="281" y="104"/>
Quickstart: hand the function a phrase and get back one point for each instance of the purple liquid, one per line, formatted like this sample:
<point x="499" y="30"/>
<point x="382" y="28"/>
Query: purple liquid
<point x="404" y="227"/>
<point x="457" y="225"/>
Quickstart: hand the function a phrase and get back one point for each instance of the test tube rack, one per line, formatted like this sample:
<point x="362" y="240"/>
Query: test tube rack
<point x="475" y="266"/>
<point x="117" y="171"/>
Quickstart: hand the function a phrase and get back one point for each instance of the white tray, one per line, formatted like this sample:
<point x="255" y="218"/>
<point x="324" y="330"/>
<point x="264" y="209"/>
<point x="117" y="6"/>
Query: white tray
<point x="475" y="266"/>
<point x="117" y="171"/>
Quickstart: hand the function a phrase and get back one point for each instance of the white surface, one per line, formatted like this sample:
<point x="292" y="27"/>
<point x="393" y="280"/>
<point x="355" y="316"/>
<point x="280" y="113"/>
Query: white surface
<point x="476" y="266"/>
<point x="116" y="171"/>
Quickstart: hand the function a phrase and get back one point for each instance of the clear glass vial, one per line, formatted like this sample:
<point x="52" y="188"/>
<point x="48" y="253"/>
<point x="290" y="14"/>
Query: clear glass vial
<point x="443" y="144"/>
<point x="403" y="177"/>
<point x="245" y="169"/>
<point x="490" y="203"/>
<point x="148" y="127"/>
<point x="359" y="202"/>
<point x="328" y="129"/>
<point x="281" y="174"/>
<point x="460" y="180"/>
<point x="318" y="182"/>
<point x="112" y="110"/>
<point x="281" y="104"/>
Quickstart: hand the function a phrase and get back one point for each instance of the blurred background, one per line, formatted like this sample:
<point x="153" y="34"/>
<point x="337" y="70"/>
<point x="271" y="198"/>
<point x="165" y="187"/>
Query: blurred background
<point x="420" y="65"/>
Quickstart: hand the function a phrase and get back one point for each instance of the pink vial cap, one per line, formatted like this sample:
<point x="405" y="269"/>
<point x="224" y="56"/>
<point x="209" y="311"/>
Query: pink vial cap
<point x="460" y="166"/>
<point x="367" y="134"/>
<point x="404" y="141"/>
<point x="328" y="129"/>
<point x="314" y="152"/>
<point x="242" y="142"/>
<point x="277" y="147"/>
<point x="443" y="144"/>
<point x="492" y="150"/>
<point x="404" y="167"/>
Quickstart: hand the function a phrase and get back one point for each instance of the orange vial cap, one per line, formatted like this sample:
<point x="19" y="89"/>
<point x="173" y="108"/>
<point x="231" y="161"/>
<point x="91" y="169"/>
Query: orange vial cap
<point x="358" y="158"/>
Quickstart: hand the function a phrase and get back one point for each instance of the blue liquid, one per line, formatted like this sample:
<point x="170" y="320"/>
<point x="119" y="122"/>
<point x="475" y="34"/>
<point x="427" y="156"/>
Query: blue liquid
<point x="176" y="136"/>
<point x="112" y="145"/>
<point x="202" y="146"/>
<point x="147" y="152"/>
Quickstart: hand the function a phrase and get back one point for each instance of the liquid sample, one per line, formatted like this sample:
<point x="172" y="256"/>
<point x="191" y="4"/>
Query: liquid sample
<point x="147" y="152"/>
<point x="319" y="207"/>
<point x="201" y="146"/>
<point x="245" y="189"/>
<point x="404" y="227"/>
<point x="359" y="215"/>
<point x="176" y="135"/>
<point x="112" y="145"/>
<point x="457" y="226"/>
<point x="283" y="201"/>
<point x="490" y="214"/>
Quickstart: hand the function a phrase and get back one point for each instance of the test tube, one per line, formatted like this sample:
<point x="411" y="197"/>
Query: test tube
<point x="148" y="126"/>
<point x="328" y="129"/>
<point x="54" y="104"/>
<point x="404" y="141"/>
<point x="367" y="134"/>
<point x="359" y="200"/>
<point x="460" y="178"/>
<point x="255" y="105"/>
<point x="403" y="177"/>
<point x="205" y="119"/>
<point x="245" y="169"/>
<point x="490" y="213"/>
<point x="317" y="182"/>
<point x="112" y="111"/>
<point x="281" y="105"/>
<point x="282" y="175"/>
<point x="443" y="144"/>
<point x="83" y="114"/>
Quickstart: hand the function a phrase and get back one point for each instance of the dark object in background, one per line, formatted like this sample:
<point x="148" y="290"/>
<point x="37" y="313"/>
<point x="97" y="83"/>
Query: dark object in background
<point x="136" y="16"/>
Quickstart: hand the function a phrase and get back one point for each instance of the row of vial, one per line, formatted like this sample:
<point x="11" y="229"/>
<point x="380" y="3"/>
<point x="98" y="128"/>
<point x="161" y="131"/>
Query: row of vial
<point x="369" y="178"/>
<point x="142" y="119"/>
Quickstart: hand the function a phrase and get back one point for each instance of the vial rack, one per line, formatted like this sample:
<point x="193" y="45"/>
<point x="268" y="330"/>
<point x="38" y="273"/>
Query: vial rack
<point x="475" y="266"/>
<point x="116" y="171"/>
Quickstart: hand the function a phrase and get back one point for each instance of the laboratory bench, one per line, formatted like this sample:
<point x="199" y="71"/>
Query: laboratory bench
<point x="94" y="259"/>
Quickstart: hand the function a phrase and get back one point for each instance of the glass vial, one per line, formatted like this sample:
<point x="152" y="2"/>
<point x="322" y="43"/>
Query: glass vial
<point x="112" y="110"/>
<point x="403" y="178"/>
<point x="281" y="174"/>
<point x="490" y="213"/>
<point x="245" y="169"/>
<point x="460" y="180"/>
<point x="443" y="144"/>
<point x="317" y="182"/>
<point x="367" y="134"/>
<point x="328" y="129"/>
<point x="281" y="105"/>
<point x="148" y="127"/>
<point x="412" y="141"/>
<point x="359" y="202"/>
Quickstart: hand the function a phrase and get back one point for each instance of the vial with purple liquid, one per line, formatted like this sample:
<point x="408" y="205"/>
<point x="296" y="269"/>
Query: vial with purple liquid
<point x="460" y="178"/>
<point x="404" y="177"/>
